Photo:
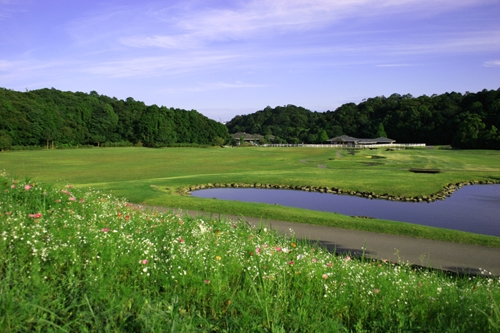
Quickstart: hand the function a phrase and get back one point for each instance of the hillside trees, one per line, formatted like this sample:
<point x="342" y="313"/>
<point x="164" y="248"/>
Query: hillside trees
<point x="49" y="117"/>
<point x="470" y="120"/>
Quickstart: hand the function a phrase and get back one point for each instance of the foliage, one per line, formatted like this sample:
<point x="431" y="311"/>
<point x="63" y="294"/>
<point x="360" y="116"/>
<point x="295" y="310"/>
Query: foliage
<point x="52" y="118"/>
<point x="83" y="261"/>
<point x="468" y="120"/>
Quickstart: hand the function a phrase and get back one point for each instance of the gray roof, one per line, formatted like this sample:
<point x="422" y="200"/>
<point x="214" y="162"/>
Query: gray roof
<point x="350" y="139"/>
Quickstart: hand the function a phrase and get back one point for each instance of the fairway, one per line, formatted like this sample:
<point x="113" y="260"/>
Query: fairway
<point x="159" y="177"/>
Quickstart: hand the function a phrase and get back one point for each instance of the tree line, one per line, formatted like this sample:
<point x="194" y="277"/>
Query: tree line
<point x="53" y="118"/>
<point x="470" y="120"/>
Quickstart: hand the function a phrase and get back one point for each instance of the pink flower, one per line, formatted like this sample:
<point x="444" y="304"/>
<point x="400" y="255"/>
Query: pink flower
<point x="105" y="229"/>
<point x="347" y="258"/>
<point x="72" y="199"/>
<point x="12" y="186"/>
<point x="58" y="200"/>
<point x="181" y="240"/>
<point x="8" y="213"/>
<point x="206" y="281"/>
<point x="314" y="260"/>
<point x="376" y="291"/>
<point x="144" y="261"/>
<point x="324" y="276"/>
<point x="291" y="262"/>
<point x="277" y="248"/>
<point x="257" y="251"/>
<point x="35" y="216"/>
<point x="27" y="187"/>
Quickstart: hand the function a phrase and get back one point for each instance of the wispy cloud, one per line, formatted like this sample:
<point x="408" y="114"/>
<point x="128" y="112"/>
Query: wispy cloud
<point x="493" y="63"/>
<point x="214" y="86"/>
<point x="157" y="66"/>
<point x="396" y="65"/>
<point x="263" y="19"/>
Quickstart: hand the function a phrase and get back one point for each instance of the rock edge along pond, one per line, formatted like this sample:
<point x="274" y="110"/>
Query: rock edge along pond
<point x="473" y="209"/>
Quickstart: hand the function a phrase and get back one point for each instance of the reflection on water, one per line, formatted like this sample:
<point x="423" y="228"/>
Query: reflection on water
<point x="473" y="208"/>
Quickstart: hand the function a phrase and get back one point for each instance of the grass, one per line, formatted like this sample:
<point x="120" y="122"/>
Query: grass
<point x="154" y="177"/>
<point x="81" y="260"/>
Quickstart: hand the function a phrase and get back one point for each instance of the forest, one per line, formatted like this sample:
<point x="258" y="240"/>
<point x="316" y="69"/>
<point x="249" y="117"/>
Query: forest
<point x="52" y="118"/>
<point x="470" y="120"/>
<point x="55" y="119"/>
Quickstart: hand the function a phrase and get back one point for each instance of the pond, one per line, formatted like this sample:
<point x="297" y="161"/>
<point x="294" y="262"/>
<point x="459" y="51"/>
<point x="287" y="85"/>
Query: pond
<point x="474" y="208"/>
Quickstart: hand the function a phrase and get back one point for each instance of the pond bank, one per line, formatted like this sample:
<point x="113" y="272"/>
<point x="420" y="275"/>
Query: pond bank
<point x="441" y="195"/>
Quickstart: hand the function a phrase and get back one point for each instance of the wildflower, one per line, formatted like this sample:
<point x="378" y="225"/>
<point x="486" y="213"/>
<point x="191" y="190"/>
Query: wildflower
<point x="218" y="258"/>
<point x="294" y="245"/>
<point x="127" y="217"/>
<point x="291" y="263"/>
<point x="324" y="276"/>
<point x="35" y="216"/>
<point x="13" y="186"/>
<point x="181" y="240"/>
<point x="257" y="250"/>
<point x="8" y="213"/>
<point x="118" y="214"/>
<point x="376" y="291"/>
<point x="105" y="229"/>
<point x="277" y="248"/>
<point x="348" y="258"/>
<point x="72" y="199"/>
<point x="206" y="281"/>
<point x="27" y="187"/>
<point x="58" y="200"/>
<point x="144" y="261"/>
<point x="314" y="260"/>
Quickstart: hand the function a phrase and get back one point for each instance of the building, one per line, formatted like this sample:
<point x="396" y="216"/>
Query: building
<point x="350" y="141"/>
<point x="253" y="139"/>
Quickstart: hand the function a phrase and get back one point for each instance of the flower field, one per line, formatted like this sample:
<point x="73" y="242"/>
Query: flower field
<point x="76" y="260"/>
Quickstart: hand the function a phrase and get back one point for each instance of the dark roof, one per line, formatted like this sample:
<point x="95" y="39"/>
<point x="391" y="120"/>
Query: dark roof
<point x="350" y="139"/>
<point x="250" y="137"/>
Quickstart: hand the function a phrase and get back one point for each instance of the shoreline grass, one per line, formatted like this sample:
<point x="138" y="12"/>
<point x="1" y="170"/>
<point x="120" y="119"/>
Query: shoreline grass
<point x="81" y="260"/>
<point x="154" y="177"/>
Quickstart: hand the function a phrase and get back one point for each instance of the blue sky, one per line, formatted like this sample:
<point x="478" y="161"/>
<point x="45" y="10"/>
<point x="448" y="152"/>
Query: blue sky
<point x="225" y="58"/>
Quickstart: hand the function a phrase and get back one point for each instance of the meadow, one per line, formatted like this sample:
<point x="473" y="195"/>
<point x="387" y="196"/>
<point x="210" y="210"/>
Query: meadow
<point x="82" y="260"/>
<point x="160" y="177"/>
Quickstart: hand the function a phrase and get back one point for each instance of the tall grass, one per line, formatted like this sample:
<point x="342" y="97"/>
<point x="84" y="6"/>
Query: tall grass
<point x="76" y="260"/>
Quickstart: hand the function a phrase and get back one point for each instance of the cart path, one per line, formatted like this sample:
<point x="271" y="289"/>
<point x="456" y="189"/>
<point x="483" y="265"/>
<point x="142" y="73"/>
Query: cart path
<point x="459" y="258"/>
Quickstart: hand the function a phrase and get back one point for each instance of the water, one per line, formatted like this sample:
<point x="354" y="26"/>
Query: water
<point x="473" y="208"/>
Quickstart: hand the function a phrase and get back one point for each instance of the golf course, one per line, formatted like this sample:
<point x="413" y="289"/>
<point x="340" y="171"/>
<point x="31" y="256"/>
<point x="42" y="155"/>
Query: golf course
<point x="80" y="256"/>
<point x="163" y="177"/>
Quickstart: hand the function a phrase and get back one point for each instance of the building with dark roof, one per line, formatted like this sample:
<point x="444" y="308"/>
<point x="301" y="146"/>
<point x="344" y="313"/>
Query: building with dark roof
<point x="349" y="140"/>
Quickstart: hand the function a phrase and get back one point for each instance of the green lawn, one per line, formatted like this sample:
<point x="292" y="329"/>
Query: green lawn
<point x="153" y="176"/>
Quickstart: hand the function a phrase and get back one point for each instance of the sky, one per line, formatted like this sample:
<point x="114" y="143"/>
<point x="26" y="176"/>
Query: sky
<point x="226" y="58"/>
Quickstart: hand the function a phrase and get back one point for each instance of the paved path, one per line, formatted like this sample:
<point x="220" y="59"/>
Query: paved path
<point x="447" y="256"/>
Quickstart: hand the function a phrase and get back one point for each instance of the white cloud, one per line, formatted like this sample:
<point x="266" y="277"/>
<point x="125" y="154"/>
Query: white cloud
<point x="493" y="63"/>
<point x="263" y="19"/>
<point x="157" y="66"/>
<point x="213" y="86"/>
